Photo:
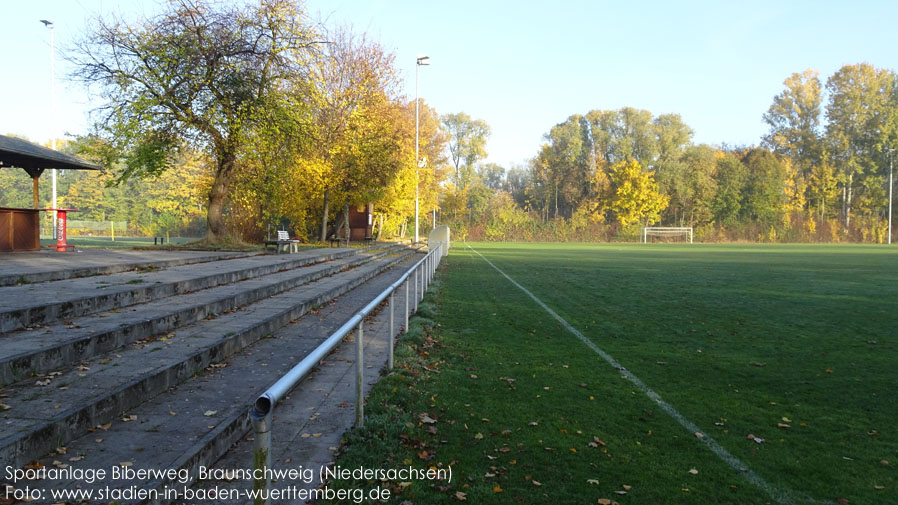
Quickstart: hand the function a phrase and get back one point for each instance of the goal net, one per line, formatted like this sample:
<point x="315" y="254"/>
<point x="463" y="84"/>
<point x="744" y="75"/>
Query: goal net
<point x="667" y="234"/>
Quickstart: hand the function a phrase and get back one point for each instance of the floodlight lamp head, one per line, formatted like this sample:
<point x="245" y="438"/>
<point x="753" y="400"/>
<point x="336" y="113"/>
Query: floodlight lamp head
<point x="47" y="23"/>
<point x="423" y="60"/>
<point x="422" y="163"/>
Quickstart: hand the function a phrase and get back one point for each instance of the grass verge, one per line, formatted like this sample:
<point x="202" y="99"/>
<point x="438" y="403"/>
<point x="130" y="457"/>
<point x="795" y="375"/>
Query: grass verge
<point x="791" y="344"/>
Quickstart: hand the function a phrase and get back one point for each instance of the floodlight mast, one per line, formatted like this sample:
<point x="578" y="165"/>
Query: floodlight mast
<point x="420" y="61"/>
<point x="49" y="24"/>
<point x="890" y="194"/>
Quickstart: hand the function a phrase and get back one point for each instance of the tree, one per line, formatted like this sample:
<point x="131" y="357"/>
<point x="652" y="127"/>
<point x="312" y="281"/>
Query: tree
<point x="861" y="113"/>
<point x="492" y="175"/>
<point x="729" y="201"/>
<point x="794" y="120"/>
<point x="351" y="78"/>
<point x="200" y="72"/>
<point x="517" y="180"/>
<point x="634" y="194"/>
<point x="568" y="162"/>
<point x="764" y="196"/>
<point x="823" y="187"/>
<point x="673" y="136"/>
<point x="467" y="144"/>
<point x="630" y="133"/>
<point x="690" y="182"/>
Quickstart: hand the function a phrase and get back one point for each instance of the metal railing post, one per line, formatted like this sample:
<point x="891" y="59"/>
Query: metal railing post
<point x="416" y="289"/>
<point x="360" y="373"/>
<point x="262" y="457"/>
<point x="407" y="280"/>
<point x="392" y="333"/>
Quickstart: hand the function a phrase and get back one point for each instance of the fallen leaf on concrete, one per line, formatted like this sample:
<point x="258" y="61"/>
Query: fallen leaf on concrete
<point x="210" y="413"/>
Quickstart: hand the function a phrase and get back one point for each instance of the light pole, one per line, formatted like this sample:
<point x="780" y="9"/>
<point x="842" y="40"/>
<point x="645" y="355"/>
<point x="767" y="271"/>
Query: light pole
<point x="890" y="195"/>
<point x="421" y="60"/>
<point x="49" y="24"/>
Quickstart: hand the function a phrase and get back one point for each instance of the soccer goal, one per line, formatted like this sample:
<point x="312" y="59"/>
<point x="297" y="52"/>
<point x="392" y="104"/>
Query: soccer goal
<point x="668" y="232"/>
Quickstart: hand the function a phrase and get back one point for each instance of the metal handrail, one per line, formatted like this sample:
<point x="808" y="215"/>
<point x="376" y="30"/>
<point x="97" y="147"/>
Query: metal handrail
<point x="261" y="412"/>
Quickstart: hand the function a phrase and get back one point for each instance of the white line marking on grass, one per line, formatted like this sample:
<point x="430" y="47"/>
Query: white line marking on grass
<point x="716" y="448"/>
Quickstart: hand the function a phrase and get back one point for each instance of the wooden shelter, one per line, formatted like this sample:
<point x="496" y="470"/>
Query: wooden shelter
<point x="360" y="222"/>
<point x="20" y="228"/>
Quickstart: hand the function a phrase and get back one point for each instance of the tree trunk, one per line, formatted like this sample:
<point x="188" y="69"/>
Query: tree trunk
<point x="326" y="208"/>
<point x="346" y="222"/>
<point x="556" y="202"/>
<point x="848" y="204"/>
<point x="215" y="228"/>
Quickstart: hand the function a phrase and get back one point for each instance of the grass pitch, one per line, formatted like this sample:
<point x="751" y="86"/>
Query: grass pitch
<point x="784" y="355"/>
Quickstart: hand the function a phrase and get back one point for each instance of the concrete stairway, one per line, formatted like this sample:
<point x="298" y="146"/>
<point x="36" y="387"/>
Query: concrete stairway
<point x="92" y="364"/>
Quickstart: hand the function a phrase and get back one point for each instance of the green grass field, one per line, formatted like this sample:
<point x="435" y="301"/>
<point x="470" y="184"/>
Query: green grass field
<point x="793" y="344"/>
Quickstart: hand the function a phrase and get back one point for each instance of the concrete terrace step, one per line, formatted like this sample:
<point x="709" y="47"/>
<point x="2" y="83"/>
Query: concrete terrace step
<point x="26" y="352"/>
<point x="48" y="411"/>
<point x="196" y="422"/>
<point x="45" y="266"/>
<point x="44" y="303"/>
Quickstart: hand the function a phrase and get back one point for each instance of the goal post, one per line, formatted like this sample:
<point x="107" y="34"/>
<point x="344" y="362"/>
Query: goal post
<point x="666" y="231"/>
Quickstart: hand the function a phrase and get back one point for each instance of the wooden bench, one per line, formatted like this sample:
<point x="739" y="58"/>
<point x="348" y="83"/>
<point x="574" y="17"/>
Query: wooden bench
<point x="335" y="240"/>
<point x="283" y="241"/>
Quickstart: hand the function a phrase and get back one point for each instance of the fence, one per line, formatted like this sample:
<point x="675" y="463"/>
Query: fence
<point x="263" y="407"/>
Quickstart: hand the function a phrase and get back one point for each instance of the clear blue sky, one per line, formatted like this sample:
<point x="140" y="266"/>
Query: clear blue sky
<point x="526" y="66"/>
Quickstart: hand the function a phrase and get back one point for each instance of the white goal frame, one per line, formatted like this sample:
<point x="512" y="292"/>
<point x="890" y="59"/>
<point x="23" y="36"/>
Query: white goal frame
<point x="662" y="231"/>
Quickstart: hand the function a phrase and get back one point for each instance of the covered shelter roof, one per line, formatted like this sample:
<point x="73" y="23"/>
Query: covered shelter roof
<point x="34" y="158"/>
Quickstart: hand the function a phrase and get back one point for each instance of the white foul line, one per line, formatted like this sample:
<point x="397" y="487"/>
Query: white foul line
<point x="716" y="448"/>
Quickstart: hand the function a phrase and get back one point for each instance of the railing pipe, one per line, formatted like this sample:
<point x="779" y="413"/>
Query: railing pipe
<point x="261" y="411"/>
